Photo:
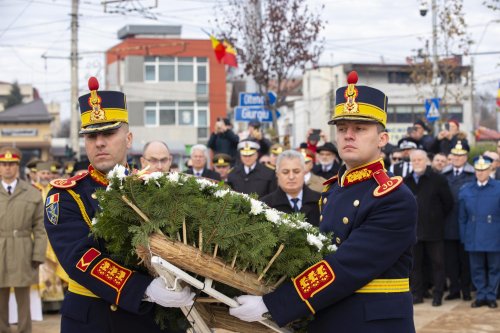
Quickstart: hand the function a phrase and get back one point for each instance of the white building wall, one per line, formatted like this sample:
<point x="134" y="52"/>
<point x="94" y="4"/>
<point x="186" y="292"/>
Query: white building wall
<point x="315" y="111"/>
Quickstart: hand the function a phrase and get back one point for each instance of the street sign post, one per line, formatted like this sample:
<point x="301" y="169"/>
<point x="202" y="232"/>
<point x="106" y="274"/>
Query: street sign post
<point x="432" y="109"/>
<point x="253" y="106"/>
<point x="244" y="113"/>
<point x="256" y="99"/>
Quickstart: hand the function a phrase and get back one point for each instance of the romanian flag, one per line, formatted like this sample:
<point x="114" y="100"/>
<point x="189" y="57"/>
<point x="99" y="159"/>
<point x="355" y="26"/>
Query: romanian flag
<point x="498" y="95"/>
<point x="224" y="52"/>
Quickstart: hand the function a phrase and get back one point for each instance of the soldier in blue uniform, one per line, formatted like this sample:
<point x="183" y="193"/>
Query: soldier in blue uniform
<point x="363" y="286"/>
<point x="479" y="222"/>
<point x="103" y="295"/>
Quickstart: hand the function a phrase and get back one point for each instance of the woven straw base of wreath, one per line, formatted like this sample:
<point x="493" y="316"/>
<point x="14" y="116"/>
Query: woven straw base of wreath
<point x="191" y="259"/>
<point x="218" y="317"/>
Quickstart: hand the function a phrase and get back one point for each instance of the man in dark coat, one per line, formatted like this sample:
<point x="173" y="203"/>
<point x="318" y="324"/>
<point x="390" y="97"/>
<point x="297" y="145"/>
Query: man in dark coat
<point x="434" y="201"/>
<point x="199" y="157"/>
<point x="403" y="167"/>
<point x="292" y="196"/>
<point x="223" y="139"/>
<point x="363" y="286"/>
<point x="329" y="162"/>
<point x="456" y="259"/>
<point x="249" y="176"/>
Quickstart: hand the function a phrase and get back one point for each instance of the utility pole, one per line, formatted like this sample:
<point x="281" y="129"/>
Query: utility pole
<point x="74" y="120"/>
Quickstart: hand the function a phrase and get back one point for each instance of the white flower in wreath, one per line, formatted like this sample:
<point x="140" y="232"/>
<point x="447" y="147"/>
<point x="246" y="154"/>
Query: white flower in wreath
<point x="153" y="176"/>
<point x="94" y="221"/>
<point x="314" y="241"/>
<point x="256" y="207"/>
<point x="221" y="193"/>
<point x="204" y="183"/>
<point x="173" y="177"/>
<point x="273" y="215"/>
<point x="119" y="171"/>
<point x="332" y="248"/>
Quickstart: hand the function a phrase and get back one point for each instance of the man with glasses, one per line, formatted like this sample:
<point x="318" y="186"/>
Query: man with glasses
<point x="156" y="155"/>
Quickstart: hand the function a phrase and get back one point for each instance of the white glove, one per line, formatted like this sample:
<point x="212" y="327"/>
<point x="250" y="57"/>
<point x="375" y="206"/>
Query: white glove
<point x="251" y="308"/>
<point x="158" y="293"/>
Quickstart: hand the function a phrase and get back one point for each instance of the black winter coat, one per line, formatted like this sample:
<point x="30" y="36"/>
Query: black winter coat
<point x="434" y="200"/>
<point x="310" y="207"/>
<point x="260" y="180"/>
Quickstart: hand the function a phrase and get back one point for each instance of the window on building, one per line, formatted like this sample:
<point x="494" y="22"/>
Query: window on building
<point x="167" y="113"/>
<point x="178" y="69"/>
<point x="202" y="120"/>
<point x="398" y="77"/>
<point x="181" y="113"/>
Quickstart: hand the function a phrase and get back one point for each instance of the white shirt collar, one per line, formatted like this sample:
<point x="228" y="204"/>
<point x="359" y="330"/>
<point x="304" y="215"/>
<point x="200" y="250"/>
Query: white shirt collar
<point x="250" y="168"/>
<point x="483" y="183"/>
<point x="299" y="203"/>
<point x="12" y="185"/>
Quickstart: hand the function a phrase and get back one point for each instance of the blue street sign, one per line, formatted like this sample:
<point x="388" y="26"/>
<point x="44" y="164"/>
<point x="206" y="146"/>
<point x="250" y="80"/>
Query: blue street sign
<point x="256" y="99"/>
<point x="242" y="113"/>
<point x="432" y="109"/>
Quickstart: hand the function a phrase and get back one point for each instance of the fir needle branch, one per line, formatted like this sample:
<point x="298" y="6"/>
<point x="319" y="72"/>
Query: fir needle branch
<point x="282" y="246"/>
<point x="219" y="217"/>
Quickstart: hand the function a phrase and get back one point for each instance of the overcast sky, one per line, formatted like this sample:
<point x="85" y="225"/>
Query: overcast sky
<point x="370" y="31"/>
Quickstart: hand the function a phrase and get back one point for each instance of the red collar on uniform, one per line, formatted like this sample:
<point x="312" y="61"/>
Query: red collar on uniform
<point x="361" y="173"/>
<point x="98" y="176"/>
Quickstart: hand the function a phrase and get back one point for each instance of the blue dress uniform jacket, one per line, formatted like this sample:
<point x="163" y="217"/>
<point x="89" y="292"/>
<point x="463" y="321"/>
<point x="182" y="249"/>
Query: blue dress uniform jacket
<point x="103" y="296"/>
<point x="451" y="231"/>
<point x="479" y="216"/>
<point x="373" y="221"/>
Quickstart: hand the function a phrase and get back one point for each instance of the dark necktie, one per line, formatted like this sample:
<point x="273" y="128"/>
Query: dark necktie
<point x="9" y="190"/>
<point x="295" y="206"/>
<point x="457" y="172"/>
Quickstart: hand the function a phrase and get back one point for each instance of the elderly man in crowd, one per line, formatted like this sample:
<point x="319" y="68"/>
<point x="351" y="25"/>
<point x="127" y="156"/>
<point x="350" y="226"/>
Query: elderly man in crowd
<point x="199" y="168"/>
<point x="292" y="195"/>
<point x="434" y="202"/>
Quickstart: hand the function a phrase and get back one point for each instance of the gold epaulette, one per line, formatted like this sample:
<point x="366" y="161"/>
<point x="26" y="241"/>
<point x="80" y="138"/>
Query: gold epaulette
<point x="68" y="183"/>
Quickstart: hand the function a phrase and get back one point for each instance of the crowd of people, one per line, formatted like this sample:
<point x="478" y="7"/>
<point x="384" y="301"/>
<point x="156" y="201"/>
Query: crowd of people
<point x="456" y="212"/>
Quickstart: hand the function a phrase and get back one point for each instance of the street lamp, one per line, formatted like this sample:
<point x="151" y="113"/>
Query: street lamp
<point x="424" y="8"/>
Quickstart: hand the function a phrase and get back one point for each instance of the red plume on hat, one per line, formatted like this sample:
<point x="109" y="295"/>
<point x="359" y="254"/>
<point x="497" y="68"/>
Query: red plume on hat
<point x="93" y="83"/>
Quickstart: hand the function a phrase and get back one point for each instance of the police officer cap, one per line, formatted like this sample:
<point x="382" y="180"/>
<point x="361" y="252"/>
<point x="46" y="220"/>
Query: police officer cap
<point x="277" y="148"/>
<point x="102" y="111"/>
<point x="43" y="166"/>
<point x="407" y="143"/>
<point x="248" y="147"/>
<point x="222" y="159"/>
<point x="482" y="162"/>
<point x="10" y="155"/>
<point x="460" y="148"/>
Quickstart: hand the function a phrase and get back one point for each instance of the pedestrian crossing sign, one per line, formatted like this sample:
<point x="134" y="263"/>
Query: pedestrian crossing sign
<point x="432" y="109"/>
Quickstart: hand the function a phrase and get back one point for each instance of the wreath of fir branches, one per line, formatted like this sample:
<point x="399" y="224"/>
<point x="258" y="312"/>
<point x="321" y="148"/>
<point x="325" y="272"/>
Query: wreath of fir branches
<point x="237" y="224"/>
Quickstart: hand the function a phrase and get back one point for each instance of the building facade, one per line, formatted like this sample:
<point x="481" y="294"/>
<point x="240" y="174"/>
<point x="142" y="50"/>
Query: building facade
<point x="27" y="126"/>
<point x="406" y="100"/>
<point x="175" y="87"/>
